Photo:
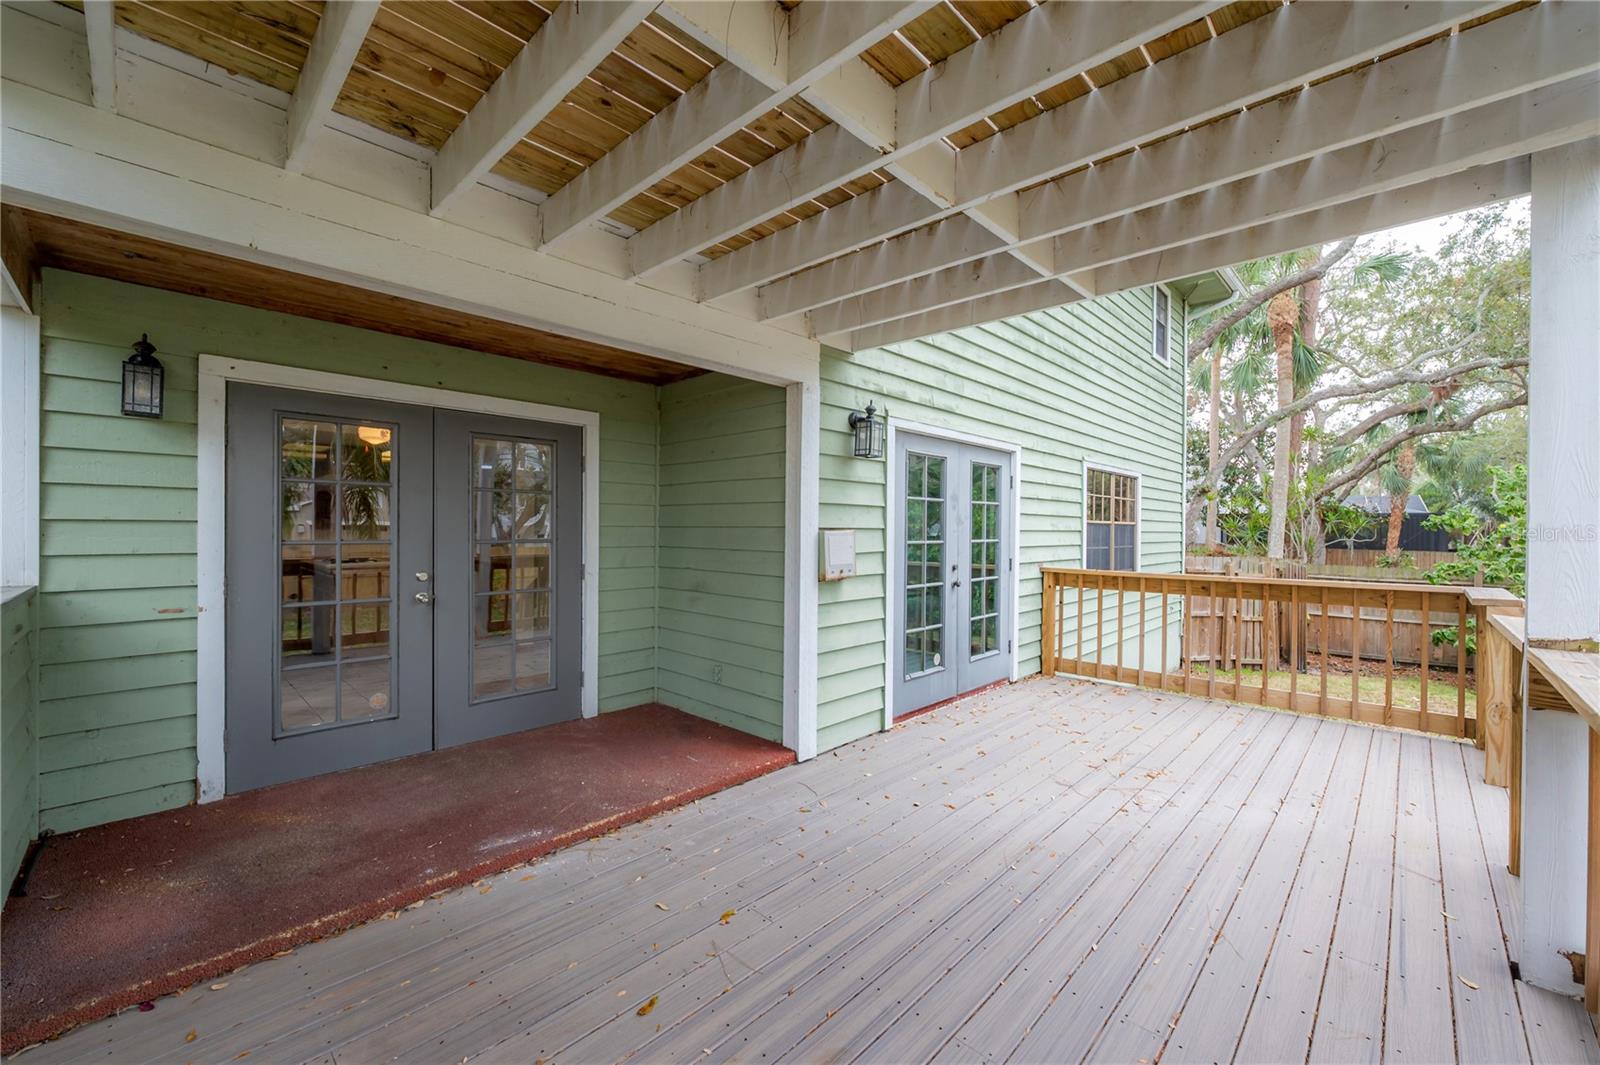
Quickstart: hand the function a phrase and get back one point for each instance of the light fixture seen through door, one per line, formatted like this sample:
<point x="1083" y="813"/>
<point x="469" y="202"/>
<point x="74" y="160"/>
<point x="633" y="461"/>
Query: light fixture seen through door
<point x="869" y="431"/>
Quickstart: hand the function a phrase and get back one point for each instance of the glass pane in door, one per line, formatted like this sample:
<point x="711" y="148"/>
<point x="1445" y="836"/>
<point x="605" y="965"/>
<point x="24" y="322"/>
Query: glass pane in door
<point x="924" y="586"/>
<point x="984" y="569"/>
<point x="513" y="559"/>
<point x="335" y="587"/>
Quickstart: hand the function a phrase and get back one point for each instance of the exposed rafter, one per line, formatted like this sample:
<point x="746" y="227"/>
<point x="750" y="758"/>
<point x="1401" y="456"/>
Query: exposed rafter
<point x="957" y="284"/>
<point x="944" y="244"/>
<point x="1555" y="114"/>
<point x="1278" y="52"/>
<point x="1554" y="42"/>
<point x="1461" y="191"/>
<point x="1506" y="129"/>
<point x="1438" y="79"/>
<point x="868" y="108"/>
<point x="563" y="52"/>
<point x="1038" y="296"/>
<point x="333" y="51"/>
<point x="815" y="42"/>
<point x="100" y="24"/>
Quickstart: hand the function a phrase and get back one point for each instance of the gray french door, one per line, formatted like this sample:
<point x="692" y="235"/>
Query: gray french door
<point x="509" y="587"/>
<point x="951" y="581"/>
<point x="399" y="578"/>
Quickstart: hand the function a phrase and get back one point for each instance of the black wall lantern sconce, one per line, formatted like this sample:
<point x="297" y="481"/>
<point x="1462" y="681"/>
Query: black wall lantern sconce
<point x="143" y="384"/>
<point x="868" y="428"/>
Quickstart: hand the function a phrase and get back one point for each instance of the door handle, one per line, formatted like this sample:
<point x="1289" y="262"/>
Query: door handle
<point x="423" y="597"/>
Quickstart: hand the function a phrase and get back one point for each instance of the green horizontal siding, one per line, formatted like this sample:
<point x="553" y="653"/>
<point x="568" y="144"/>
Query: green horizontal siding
<point x="19" y="731"/>
<point x="1069" y="385"/>
<point x="720" y="561"/>
<point x="117" y="597"/>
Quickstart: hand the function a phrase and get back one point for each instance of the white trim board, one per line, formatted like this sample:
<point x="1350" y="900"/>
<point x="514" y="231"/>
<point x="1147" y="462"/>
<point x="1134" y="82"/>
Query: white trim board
<point x="892" y="522"/>
<point x="211" y="532"/>
<point x="802" y="485"/>
<point x="19" y="447"/>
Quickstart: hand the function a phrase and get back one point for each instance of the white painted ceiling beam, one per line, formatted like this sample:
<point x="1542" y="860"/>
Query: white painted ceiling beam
<point x="867" y="107"/>
<point x="343" y="27"/>
<point x="1536" y="47"/>
<point x="791" y="177"/>
<point x="1290" y="47"/>
<point x="1039" y="296"/>
<point x="1027" y="56"/>
<point x="729" y="98"/>
<point x="1271" y="54"/>
<point x="1526" y="50"/>
<point x="100" y="25"/>
<point x="947" y="243"/>
<point x="996" y="273"/>
<point x="1544" y="118"/>
<point x="564" y="51"/>
<point x="1461" y="191"/>
<point x="1507" y="129"/>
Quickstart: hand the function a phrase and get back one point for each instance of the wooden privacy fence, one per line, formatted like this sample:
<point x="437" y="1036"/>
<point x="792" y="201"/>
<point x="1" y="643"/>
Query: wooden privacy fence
<point x="1081" y="607"/>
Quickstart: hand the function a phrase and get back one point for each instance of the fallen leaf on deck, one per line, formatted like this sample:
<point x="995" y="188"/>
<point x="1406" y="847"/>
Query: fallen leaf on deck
<point x="1469" y="983"/>
<point x="146" y="1007"/>
<point x="486" y="889"/>
<point x="1448" y="916"/>
<point x="219" y="987"/>
<point x="647" y="1007"/>
<point x="662" y="906"/>
<point x="192" y="1036"/>
<point x="727" y="916"/>
<point x="416" y="905"/>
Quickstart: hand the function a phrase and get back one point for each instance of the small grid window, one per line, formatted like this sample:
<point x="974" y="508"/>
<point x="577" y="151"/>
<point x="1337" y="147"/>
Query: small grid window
<point x="1162" y="319"/>
<point x="335" y="580"/>
<point x="1112" y="531"/>
<point x="924" y="605"/>
<point x="513" y="559"/>
<point x="984" y="613"/>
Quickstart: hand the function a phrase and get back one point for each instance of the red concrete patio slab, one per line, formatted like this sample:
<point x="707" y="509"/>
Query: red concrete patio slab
<point x="121" y="913"/>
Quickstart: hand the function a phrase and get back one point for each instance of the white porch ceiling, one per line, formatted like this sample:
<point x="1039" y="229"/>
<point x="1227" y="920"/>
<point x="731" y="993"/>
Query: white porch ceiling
<point x="863" y="173"/>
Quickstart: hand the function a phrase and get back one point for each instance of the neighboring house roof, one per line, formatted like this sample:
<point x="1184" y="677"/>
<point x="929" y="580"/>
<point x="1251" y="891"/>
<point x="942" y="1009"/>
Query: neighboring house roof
<point x="1379" y="504"/>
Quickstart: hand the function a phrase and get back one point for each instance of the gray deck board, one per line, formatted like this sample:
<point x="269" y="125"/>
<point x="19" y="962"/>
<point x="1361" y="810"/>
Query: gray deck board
<point x="1054" y="871"/>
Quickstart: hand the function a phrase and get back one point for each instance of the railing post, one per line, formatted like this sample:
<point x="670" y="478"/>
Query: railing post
<point x="1498" y="682"/>
<point x="1047" y="626"/>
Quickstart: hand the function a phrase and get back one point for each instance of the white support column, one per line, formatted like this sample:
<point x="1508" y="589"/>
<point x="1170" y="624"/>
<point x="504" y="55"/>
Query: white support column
<point x="1563" y="545"/>
<point x="802" y="502"/>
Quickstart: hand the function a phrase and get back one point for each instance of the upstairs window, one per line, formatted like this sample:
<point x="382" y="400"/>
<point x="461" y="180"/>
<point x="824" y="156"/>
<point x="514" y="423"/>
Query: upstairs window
<point x="1111" y="533"/>
<point x="1162" y="318"/>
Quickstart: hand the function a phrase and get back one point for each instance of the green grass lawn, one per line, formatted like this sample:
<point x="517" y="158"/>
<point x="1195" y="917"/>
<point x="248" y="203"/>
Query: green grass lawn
<point x="1407" y="689"/>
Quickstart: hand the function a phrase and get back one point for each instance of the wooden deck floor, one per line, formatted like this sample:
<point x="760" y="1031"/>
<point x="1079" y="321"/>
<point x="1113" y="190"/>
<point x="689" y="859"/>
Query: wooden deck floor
<point x="1054" y="871"/>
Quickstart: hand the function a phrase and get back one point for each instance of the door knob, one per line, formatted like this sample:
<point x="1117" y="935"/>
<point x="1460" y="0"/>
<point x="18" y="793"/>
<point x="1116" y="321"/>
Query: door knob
<point x="423" y="597"/>
<point x="422" y="575"/>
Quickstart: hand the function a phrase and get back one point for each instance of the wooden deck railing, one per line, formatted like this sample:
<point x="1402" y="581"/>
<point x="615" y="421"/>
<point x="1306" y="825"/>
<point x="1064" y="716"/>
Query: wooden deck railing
<point x="1199" y="632"/>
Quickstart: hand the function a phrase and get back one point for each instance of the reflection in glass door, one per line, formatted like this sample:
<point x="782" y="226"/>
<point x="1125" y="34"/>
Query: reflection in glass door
<point x="951" y="581"/>
<point x="334" y="539"/>
<point x="511" y="565"/>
